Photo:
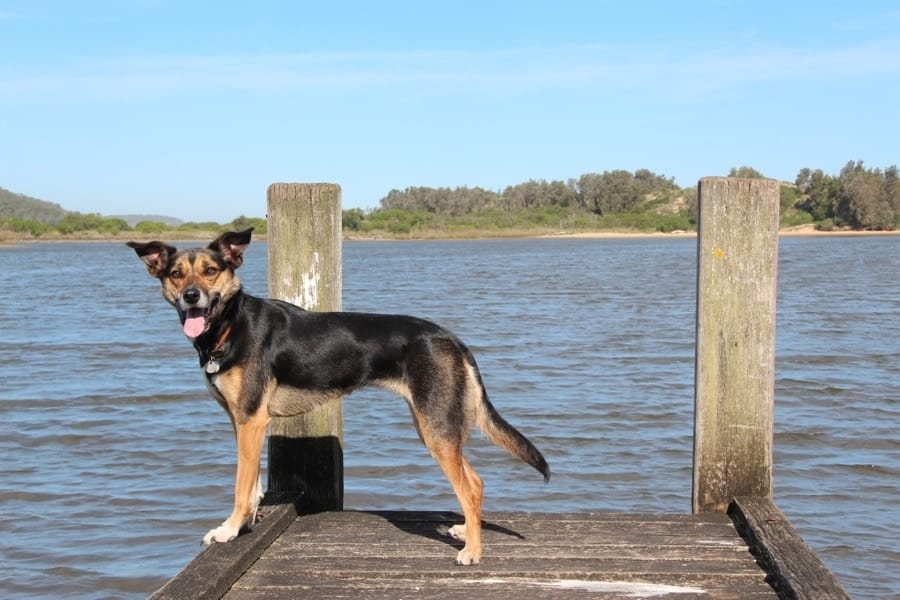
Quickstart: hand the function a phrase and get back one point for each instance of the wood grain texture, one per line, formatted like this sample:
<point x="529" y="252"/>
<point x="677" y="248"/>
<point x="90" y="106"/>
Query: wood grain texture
<point x="385" y="554"/>
<point x="737" y="248"/>
<point x="218" y="566"/>
<point x="796" y="572"/>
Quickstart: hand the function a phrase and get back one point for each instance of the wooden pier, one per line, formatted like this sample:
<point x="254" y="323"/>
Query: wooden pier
<point x="736" y="544"/>
<point x="407" y="554"/>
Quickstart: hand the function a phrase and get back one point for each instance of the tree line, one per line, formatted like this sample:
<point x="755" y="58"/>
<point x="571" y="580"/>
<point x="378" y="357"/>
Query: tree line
<point x="75" y="224"/>
<point x="616" y="191"/>
<point x="858" y="198"/>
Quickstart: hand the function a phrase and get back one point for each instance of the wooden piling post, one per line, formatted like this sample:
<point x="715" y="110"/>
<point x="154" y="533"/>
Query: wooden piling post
<point x="304" y="242"/>
<point x="737" y="248"/>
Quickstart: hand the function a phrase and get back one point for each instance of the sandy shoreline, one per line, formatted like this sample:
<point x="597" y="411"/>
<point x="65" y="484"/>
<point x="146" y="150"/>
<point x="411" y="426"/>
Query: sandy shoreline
<point x="800" y="231"/>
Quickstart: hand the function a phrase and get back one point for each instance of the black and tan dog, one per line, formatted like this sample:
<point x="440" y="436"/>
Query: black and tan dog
<point x="267" y="357"/>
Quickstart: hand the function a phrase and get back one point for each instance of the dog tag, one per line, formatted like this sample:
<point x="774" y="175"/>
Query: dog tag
<point x="212" y="366"/>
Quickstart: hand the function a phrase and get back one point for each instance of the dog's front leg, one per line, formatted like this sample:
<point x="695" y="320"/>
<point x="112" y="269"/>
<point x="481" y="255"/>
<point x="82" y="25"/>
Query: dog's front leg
<point x="247" y="488"/>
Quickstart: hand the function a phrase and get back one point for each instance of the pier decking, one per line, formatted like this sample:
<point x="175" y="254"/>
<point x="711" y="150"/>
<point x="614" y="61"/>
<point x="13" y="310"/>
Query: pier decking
<point x="396" y="554"/>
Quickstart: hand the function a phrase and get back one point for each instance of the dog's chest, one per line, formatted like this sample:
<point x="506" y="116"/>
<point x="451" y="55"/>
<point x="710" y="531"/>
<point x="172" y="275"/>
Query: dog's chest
<point x="213" y="385"/>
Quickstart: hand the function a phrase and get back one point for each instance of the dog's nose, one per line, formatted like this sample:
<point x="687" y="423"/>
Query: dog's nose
<point x="191" y="295"/>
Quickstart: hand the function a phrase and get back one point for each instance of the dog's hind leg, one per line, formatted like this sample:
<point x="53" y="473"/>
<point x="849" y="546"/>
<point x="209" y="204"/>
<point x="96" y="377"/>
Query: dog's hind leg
<point x="247" y="488"/>
<point x="469" y="491"/>
<point x="442" y="401"/>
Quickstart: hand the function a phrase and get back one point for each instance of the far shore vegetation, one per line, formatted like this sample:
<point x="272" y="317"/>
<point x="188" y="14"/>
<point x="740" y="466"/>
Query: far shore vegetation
<point x="857" y="199"/>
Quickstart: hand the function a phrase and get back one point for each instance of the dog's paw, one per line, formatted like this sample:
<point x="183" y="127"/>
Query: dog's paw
<point x="458" y="532"/>
<point x="221" y="534"/>
<point x="467" y="557"/>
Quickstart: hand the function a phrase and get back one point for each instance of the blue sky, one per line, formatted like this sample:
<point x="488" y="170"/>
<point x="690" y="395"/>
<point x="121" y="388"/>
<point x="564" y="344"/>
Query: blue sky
<point x="191" y="109"/>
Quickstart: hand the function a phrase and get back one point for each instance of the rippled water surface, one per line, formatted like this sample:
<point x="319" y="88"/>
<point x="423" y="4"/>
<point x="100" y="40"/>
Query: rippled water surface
<point x="116" y="461"/>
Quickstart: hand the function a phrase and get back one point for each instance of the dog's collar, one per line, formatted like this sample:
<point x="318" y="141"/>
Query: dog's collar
<point x="212" y="365"/>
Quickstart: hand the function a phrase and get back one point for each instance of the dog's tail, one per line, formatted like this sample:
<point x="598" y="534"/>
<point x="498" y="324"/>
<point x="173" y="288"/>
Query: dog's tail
<point x="500" y="432"/>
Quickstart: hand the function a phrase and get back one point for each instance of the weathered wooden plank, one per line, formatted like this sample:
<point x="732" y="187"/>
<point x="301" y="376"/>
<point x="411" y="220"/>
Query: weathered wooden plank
<point x="594" y="516"/>
<point x="499" y="528"/>
<point x="796" y="572"/>
<point x="466" y="589"/>
<point x="637" y="550"/>
<point x="391" y="567"/>
<point x="217" y="567"/>
<point x="474" y="587"/>
<point x="510" y="520"/>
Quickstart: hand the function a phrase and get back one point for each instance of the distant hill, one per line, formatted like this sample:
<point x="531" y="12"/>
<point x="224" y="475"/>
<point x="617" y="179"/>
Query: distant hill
<point x="133" y="220"/>
<point x="20" y="206"/>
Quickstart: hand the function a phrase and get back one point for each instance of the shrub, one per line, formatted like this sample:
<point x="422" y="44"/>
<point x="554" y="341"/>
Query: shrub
<point x="151" y="227"/>
<point x="352" y="219"/>
<point x="29" y="226"/>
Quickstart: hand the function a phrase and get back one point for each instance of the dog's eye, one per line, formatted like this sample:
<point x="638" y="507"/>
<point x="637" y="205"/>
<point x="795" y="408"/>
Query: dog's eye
<point x="210" y="271"/>
<point x="175" y="274"/>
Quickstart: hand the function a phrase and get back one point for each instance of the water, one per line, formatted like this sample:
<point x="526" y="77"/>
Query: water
<point x="117" y="462"/>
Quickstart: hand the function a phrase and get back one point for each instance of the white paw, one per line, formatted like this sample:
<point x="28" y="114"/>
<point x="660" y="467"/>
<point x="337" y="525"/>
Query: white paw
<point x="221" y="534"/>
<point x="467" y="557"/>
<point x="458" y="532"/>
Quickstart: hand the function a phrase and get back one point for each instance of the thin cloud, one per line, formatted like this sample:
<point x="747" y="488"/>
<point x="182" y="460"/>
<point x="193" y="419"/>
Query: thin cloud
<point x="450" y="72"/>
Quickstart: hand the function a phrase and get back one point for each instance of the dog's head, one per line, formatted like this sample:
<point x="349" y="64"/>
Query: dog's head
<point x="198" y="282"/>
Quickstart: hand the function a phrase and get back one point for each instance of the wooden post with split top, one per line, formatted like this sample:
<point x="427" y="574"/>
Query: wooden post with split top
<point x="304" y="242"/>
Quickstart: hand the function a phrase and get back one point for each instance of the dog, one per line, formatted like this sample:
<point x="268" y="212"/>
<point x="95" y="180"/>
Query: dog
<point x="266" y="357"/>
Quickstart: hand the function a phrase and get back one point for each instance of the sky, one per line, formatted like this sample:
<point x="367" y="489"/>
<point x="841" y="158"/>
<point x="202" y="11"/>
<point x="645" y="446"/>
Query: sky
<point x="191" y="109"/>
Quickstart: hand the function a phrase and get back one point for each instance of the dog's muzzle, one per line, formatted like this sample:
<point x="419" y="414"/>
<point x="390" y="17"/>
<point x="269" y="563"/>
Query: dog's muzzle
<point x="195" y="307"/>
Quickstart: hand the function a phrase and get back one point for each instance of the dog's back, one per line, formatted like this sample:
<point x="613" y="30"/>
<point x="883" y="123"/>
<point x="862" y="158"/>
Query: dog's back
<point x="403" y="352"/>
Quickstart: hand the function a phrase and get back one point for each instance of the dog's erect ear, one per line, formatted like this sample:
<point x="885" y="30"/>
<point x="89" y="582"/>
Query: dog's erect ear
<point x="155" y="255"/>
<point x="231" y="246"/>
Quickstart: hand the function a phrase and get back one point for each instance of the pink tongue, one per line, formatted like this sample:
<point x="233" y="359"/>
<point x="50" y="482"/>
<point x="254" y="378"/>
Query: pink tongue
<point x="194" y="325"/>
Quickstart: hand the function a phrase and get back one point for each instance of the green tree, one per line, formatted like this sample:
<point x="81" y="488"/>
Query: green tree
<point x="78" y="222"/>
<point x="151" y="227"/>
<point x="745" y="172"/>
<point x="818" y="193"/>
<point x="892" y="191"/>
<point x="241" y="223"/>
<point x="524" y="195"/>
<point x="352" y="219"/>
<point x="395" y="220"/>
<point x="29" y="226"/>
<point x="863" y="200"/>
<point x="616" y="192"/>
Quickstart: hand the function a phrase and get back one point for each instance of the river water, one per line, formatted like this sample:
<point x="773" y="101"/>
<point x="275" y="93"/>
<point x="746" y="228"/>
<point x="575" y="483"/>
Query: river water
<point x="116" y="462"/>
